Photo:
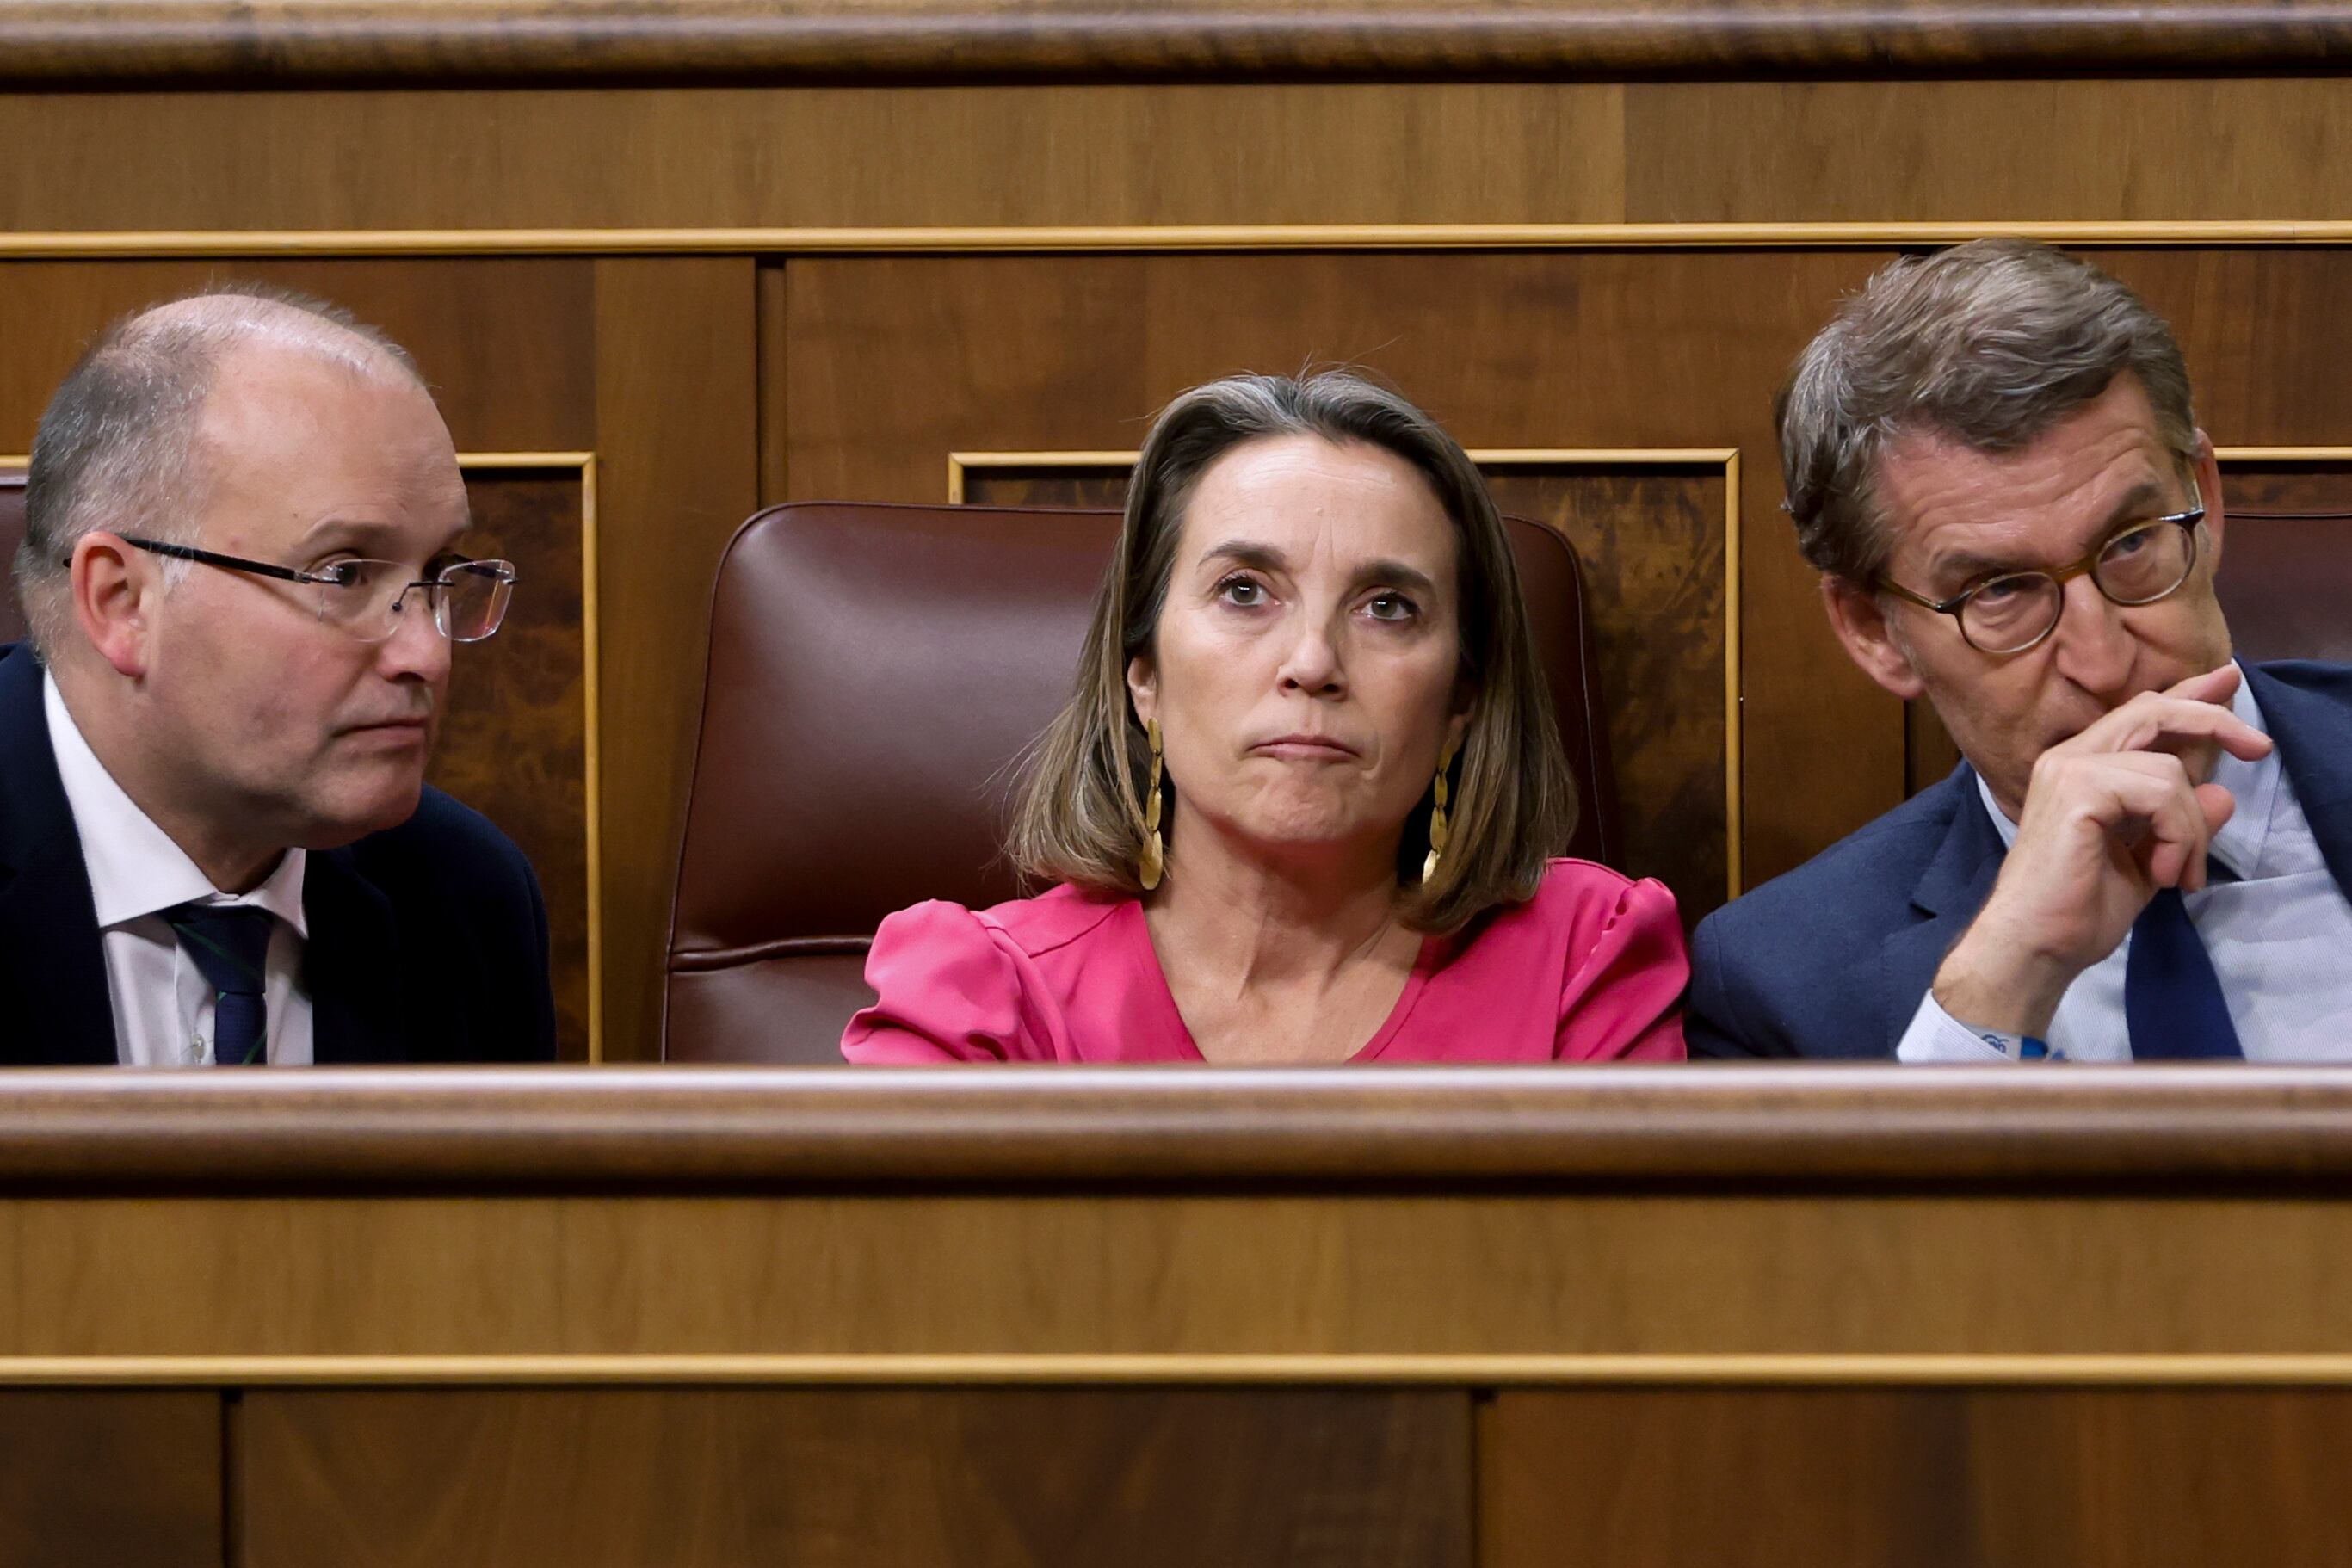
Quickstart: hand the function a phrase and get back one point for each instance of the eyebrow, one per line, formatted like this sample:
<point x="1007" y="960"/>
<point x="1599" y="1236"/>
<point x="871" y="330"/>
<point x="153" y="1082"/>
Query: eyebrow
<point x="1265" y="558"/>
<point x="2136" y="504"/>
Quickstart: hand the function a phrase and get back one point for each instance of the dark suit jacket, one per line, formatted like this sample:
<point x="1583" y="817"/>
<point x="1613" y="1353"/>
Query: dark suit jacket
<point x="428" y="941"/>
<point x="1832" y="959"/>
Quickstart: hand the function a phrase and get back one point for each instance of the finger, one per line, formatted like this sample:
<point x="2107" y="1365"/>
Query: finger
<point x="2217" y="685"/>
<point x="2143" y="800"/>
<point x="2160" y="721"/>
<point x="2219" y="806"/>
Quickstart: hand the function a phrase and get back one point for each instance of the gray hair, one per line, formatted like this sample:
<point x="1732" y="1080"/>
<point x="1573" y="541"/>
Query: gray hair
<point x="1080" y="815"/>
<point x="117" y="447"/>
<point x="1989" y="343"/>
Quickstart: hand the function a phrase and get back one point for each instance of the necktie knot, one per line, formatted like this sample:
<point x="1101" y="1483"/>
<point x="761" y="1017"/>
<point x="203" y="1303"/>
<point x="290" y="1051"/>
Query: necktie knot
<point x="230" y="945"/>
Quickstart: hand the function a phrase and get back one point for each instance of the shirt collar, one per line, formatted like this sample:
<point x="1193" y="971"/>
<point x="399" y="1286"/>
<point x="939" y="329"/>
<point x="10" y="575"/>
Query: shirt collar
<point x="2254" y="786"/>
<point x="134" y="866"/>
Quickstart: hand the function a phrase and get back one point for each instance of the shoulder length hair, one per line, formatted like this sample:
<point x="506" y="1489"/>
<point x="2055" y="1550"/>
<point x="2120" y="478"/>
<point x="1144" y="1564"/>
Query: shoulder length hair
<point x="1079" y="812"/>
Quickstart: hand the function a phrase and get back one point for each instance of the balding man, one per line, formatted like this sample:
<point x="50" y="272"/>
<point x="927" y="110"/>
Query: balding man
<point x="215" y="843"/>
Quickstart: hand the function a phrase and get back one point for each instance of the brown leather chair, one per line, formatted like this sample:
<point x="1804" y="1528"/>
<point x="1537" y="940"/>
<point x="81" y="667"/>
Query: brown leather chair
<point x="12" y="534"/>
<point x="875" y="673"/>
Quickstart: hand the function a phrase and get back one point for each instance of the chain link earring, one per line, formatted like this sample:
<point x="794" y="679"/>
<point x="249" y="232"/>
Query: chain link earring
<point x="1438" y="831"/>
<point x="1152" y="863"/>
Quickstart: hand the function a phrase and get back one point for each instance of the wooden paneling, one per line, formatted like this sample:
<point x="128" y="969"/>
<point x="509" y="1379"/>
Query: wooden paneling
<point x="130" y="1477"/>
<point x="676" y="405"/>
<point x="738" y="157"/>
<point x="2020" y="1478"/>
<point x="971" y="1478"/>
<point x="895" y="362"/>
<point x="1987" y="151"/>
<point x="514" y="744"/>
<point x="2286" y="576"/>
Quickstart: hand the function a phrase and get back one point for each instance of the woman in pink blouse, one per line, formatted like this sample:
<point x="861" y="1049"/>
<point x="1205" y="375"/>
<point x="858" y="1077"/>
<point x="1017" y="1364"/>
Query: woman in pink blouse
<point x="1304" y="805"/>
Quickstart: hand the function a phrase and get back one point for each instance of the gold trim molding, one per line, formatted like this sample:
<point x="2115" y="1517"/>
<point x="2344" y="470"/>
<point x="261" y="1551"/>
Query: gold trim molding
<point x="199" y="243"/>
<point x="960" y="464"/>
<point x="1831" y="1370"/>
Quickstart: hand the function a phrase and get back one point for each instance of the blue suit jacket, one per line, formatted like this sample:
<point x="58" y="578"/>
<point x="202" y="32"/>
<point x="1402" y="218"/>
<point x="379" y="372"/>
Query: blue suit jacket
<point x="428" y="941"/>
<point x="1831" y="959"/>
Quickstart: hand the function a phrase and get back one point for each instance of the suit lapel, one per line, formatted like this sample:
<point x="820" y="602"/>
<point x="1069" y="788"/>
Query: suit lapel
<point x="2313" y="732"/>
<point x="350" y="964"/>
<point x="1949" y="891"/>
<point x="54" y="1008"/>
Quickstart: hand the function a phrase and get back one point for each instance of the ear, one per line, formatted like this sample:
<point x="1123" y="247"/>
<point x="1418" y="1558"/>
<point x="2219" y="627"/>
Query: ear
<point x="2209" y="494"/>
<point x="1861" y="624"/>
<point x="116" y="593"/>
<point x="1143" y="688"/>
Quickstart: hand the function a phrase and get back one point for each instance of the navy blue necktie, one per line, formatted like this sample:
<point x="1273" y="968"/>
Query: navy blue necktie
<point x="228" y="944"/>
<point x="2172" y="999"/>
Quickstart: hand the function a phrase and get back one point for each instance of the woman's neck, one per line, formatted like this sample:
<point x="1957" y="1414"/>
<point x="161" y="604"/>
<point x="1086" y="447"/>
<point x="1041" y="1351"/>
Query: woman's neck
<point x="1234" y="918"/>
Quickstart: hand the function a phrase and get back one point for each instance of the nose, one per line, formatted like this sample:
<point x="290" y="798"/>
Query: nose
<point x="2093" y="648"/>
<point x="416" y="651"/>
<point x="1312" y="665"/>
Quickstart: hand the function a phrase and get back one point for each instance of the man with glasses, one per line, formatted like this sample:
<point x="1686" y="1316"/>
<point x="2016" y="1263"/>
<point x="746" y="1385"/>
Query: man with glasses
<point x="215" y="844"/>
<point x="1991" y="459"/>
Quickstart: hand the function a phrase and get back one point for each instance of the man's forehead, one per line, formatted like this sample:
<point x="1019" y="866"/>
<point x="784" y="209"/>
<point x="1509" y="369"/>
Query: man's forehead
<point x="1930" y="483"/>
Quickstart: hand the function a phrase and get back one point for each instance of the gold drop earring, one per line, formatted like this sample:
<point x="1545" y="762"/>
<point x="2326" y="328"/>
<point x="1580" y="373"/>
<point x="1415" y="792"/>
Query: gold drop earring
<point x="1438" y="830"/>
<point x="1152" y="864"/>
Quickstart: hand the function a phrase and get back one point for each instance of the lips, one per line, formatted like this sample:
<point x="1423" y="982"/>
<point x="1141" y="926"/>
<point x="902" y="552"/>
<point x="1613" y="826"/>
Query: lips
<point x="1307" y="748"/>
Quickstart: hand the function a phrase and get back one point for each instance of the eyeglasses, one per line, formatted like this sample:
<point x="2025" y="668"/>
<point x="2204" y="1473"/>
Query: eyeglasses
<point x="365" y="598"/>
<point x="2010" y="613"/>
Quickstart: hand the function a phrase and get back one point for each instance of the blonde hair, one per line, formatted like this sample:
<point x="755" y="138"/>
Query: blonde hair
<point x="1079" y="815"/>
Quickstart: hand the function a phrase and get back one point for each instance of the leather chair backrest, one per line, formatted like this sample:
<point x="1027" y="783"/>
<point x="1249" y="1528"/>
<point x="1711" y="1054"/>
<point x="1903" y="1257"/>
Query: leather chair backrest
<point x="12" y="534"/>
<point x="875" y="673"/>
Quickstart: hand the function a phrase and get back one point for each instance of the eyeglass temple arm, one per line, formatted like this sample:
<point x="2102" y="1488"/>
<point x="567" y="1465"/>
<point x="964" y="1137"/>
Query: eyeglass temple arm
<point x="233" y="562"/>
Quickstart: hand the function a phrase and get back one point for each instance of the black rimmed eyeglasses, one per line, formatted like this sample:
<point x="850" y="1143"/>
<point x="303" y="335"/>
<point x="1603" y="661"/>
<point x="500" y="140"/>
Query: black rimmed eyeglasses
<point x="365" y="598"/>
<point x="2012" y="612"/>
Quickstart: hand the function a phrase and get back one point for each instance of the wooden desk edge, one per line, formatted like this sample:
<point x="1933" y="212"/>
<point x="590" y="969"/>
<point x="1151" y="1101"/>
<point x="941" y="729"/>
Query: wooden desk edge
<point x="740" y="1129"/>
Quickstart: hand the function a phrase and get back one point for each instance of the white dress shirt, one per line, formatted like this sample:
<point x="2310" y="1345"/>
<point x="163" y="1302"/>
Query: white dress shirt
<point x="2279" y="937"/>
<point x="163" y="1004"/>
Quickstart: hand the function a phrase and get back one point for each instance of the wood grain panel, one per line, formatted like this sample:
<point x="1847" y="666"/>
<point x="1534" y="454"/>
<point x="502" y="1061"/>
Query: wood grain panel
<point x="498" y="338"/>
<point x="1987" y="151"/>
<point x="514" y="740"/>
<point x="895" y="362"/>
<point x="843" y="1479"/>
<point x="91" y="1477"/>
<point x="741" y="157"/>
<point x="678" y="471"/>
<point x="1001" y="1277"/>
<point x="2022" y="1479"/>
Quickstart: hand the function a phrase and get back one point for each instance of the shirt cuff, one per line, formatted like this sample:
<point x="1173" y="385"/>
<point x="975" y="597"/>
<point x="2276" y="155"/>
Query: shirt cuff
<point x="1935" y="1036"/>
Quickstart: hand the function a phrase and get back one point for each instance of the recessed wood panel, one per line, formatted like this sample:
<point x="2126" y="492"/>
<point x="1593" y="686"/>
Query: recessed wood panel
<point x="101" y="1475"/>
<point x="2286" y="579"/>
<point x="1777" y="1477"/>
<point x="514" y="743"/>
<point x="961" y="1478"/>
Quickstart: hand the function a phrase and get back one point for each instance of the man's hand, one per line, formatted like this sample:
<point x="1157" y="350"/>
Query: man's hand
<point x="2110" y="816"/>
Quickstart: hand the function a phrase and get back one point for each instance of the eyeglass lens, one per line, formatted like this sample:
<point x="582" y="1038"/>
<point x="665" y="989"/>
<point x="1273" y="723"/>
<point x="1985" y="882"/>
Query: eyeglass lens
<point x="2136" y="568"/>
<point x="369" y="598"/>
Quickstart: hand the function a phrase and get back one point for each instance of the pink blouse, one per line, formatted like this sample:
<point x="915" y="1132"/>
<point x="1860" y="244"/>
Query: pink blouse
<point x="1591" y="969"/>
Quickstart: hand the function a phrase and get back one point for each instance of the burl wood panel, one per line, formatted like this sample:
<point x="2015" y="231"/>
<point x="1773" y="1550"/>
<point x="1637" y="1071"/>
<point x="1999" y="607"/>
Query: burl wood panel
<point x="1651" y="539"/>
<point x="107" y="1477"/>
<point x="513" y="744"/>
<point x="1772" y="1478"/>
<point x="958" y="1477"/>
<point x="888" y="365"/>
